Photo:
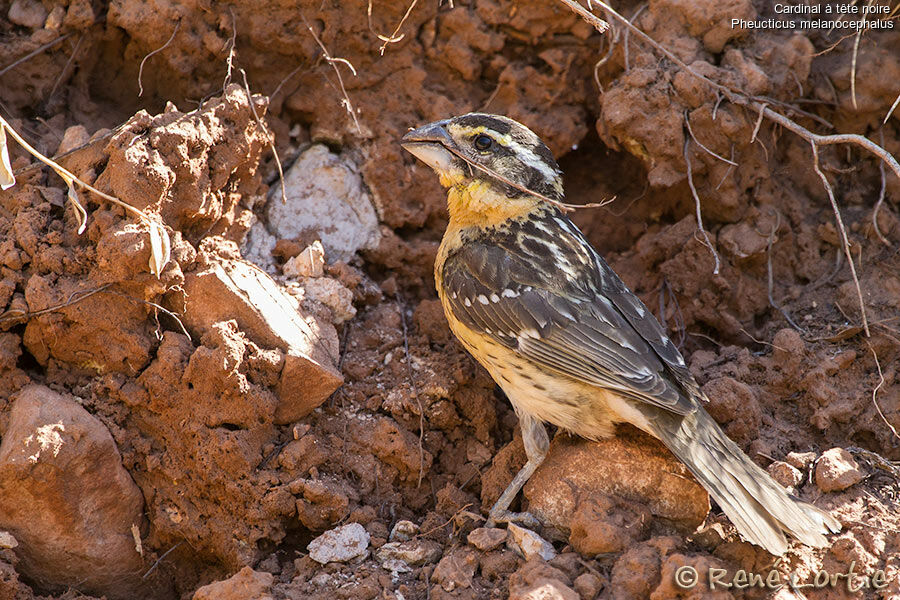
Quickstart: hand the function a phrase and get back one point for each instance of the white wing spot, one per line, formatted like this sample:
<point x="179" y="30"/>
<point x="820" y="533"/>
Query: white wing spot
<point x="467" y="302"/>
<point x="528" y="333"/>
<point x="482" y="298"/>
<point x="508" y="293"/>
<point x="495" y="298"/>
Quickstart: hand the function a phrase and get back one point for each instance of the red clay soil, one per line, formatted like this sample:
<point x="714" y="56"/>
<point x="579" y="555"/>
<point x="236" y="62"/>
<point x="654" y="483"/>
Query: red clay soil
<point x="417" y="431"/>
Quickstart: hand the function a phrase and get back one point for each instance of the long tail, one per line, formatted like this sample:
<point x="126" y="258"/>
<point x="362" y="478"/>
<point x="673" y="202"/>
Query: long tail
<point x="758" y="506"/>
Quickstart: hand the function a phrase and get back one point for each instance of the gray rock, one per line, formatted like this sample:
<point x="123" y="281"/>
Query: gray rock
<point x="326" y="197"/>
<point x="341" y="544"/>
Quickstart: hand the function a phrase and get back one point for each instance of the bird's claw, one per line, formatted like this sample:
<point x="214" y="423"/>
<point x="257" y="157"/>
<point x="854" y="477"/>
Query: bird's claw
<point x="524" y="519"/>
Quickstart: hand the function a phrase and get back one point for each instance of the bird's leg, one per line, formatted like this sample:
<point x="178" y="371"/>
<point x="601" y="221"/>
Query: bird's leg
<point x="534" y="436"/>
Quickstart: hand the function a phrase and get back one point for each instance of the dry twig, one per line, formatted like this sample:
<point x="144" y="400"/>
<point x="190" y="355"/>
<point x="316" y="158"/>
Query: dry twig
<point x="35" y="52"/>
<point x="158" y="50"/>
<point x="690" y="178"/>
<point x="845" y="242"/>
<point x="269" y="137"/>
<point x="875" y="393"/>
<point x="393" y="38"/>
<point x="878" y="204"/>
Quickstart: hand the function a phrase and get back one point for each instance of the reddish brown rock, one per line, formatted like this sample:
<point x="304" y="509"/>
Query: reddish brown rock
<point x="631" y="468"/>
<point x="836" y="470"/>
<point x="456" y="570"/>
<point x="246" y="584"/>
<point x="536" y="580"/>
<point x="66" y="498"/>
<point x="235" y="289"/>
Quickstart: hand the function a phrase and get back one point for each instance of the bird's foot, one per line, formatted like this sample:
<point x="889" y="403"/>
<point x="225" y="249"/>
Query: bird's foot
<point x="524" y="519"/>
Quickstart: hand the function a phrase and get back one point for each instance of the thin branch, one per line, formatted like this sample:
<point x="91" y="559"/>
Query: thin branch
<point x="65" y="67"/>
<point x="232" y="44"/>
<point x="690" y="178"/>
<point x="74" y="298"/>
<point x="159" y="560"/>
<point x="598" y="23"/>
<point x="770" y="279"/>
<point x="158" y="50"/>
<point x="881" y="195"/>
<point x="891" y="110"/>
<point x="393" y="38"/>
<point x="331" y="60"/>
<point x="269" y="137"/>
<point x="843" y="231"/>
<point x="34" y="53"/>
<point x="875" y="392"/>
<point x="687" y="122"/>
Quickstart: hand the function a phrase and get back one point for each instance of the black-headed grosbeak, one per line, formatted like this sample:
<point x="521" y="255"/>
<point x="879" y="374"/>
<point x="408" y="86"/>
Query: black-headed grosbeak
<point x="556" y="328"/>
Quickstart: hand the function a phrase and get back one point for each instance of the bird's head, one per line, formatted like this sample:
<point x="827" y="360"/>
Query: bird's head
<point x="495" y="167"/>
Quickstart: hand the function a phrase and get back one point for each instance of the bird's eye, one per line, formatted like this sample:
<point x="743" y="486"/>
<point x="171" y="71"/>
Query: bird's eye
<point x="483" y="142"/>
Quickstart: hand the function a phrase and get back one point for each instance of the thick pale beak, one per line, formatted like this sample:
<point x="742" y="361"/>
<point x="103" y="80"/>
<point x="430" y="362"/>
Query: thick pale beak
<point x="429" y="144"/>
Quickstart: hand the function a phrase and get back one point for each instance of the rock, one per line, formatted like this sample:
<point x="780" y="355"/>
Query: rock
<point x="322" y="503"/>
<point x="27" y="13"/>
<point x="326" y="197"/>
<point x="74" y="137"/>
<point x="67" y="499"/>
<point x="246" y="584"/>
<point x="403" y="531"/>
<point x="836" y="470"/>
<point x="455" y="570"/>
<point x="587" y="585"/>
<point x="800" y="460"/>
<point x="309" y="263"/>
<point x="414" y="553"/>
<point x="631" y="469"/>
<point x="601" y="524"/>
<point x="528" y="543"/>
<point x="332" y="294"/>
<point x="536" y="580"/>
<point x="487" y="538"/>
<point x="236" y="289"/>
<point x="785" y="474"/>
<point x="7" y="540"/>
<point x="341" y="544"/>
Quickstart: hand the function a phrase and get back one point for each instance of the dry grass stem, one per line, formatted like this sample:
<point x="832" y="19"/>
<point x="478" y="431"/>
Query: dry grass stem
<point x="269" y="137"/>
<point x="33" y="53"/>
<point x="687" y="121"/>
<point x="65" y="68"/>
<point x="74" y="298"/>
<point x="875" y="393"/>
<point x="393" y="38"/>
<point x="158" y="50"/>
<point x="414" y="389"/>
<point x="891" y="110"/>
<point x="159" y="238"/>
<point x="880" y="201"/>
<point x="845" y="243"/>
<point x="690" y="178"/>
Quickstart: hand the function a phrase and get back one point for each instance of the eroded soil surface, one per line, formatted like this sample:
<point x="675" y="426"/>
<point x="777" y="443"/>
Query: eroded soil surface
<point x="238" y="452"/>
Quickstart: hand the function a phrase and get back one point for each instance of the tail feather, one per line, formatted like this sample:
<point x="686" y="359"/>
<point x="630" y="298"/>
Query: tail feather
<point x="761" y="510"/>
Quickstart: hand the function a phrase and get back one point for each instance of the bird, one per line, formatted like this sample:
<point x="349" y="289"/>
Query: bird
<point x="569" y="344"/>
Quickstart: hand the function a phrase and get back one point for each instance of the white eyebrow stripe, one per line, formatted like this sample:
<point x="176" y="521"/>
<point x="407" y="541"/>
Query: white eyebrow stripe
<point x="530" y="158"/>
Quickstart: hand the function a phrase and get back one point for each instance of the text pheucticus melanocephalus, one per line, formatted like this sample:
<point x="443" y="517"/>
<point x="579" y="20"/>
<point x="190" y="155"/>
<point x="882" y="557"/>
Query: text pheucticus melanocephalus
<point x="556" y="328"/>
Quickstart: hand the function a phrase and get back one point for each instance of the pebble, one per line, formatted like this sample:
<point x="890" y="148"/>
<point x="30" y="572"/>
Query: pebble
<point x="341" y="544"/>
<point x="528" y="543"/>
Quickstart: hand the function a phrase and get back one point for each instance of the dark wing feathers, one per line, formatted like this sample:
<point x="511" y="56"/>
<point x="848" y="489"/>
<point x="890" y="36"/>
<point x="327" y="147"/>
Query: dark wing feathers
<point x="588" y="326"/>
